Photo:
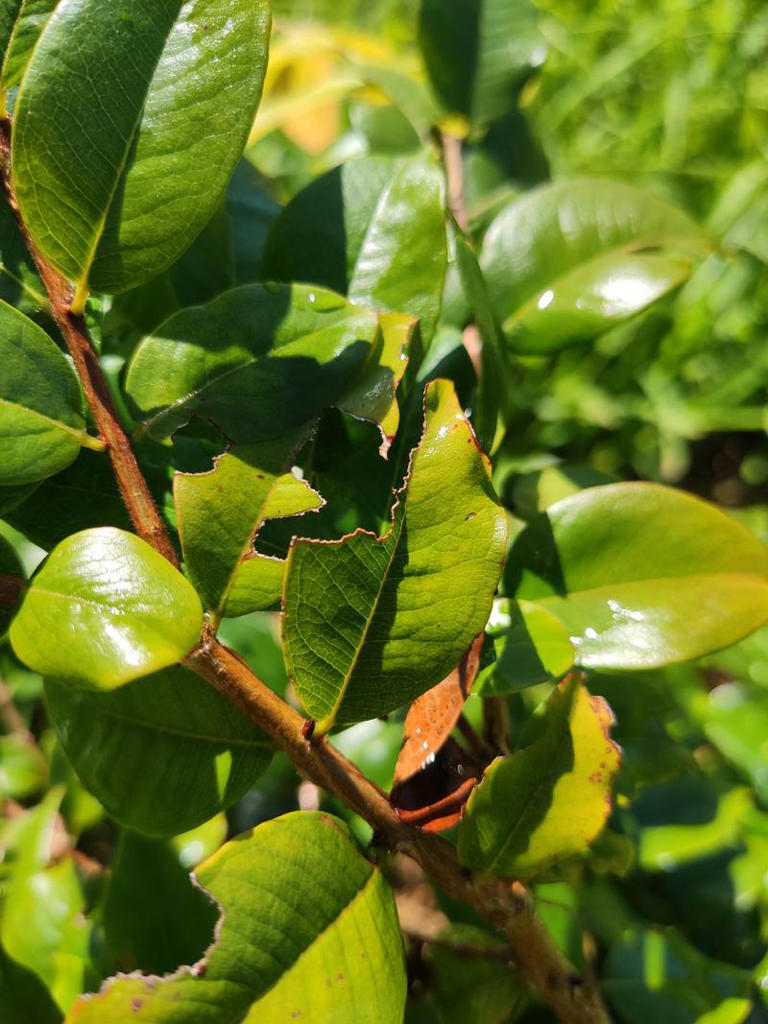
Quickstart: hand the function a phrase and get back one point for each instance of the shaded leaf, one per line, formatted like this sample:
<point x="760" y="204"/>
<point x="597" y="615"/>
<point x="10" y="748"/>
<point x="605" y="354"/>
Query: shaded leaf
<point x="374" y="230"/>
<point x="23" y="997"/>
<point x="32" y="19"/>
<point x="642" y="575"/>
<point x="104" y="609"/>
<point x="145" y="882"/>
<point x="41" y="417"/>
<point x="433" y="716"/>
<point x="260" y="361"/>
<point x="532" y="646"/>
<point x="163" y="754"/>
<point x="658" y="976"/>
<point x="478" y="52"/>
<point x="309" y="931"/>
<point x="435" y="797"/>
<point x="403" y="607"/>
<point x="567" y="261"/>
<point x="19" y="281"/>
<point x="142" y="149"/>
<point x="548" y="801"/>
<point x="221" y="512"/>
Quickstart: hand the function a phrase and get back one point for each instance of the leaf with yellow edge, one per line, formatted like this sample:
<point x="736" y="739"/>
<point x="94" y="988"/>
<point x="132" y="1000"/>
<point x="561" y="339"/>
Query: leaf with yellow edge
<point x="550" y="800"/>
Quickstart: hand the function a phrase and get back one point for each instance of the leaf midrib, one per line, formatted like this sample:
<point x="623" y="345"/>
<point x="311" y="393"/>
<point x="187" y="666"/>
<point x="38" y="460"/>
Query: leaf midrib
<point x="661" y="581"/>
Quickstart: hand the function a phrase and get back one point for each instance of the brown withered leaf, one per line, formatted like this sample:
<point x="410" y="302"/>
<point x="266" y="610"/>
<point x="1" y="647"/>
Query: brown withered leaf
<point x="432" y="717"/>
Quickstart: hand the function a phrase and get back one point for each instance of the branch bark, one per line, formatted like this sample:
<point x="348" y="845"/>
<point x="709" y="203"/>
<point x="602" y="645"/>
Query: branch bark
<point x="505" y="904"/>
<point x="11" y="589"/>
<point x="133" y="487"/>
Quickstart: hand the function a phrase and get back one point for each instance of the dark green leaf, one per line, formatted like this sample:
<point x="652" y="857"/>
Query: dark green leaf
<point x="532" y="647"/>
<point x="260" y="361"/>
<point x="140" y="149"/>
<point x="106" y="608"/>
<point x="23" y="997"/>
<point x="32" y="19"/>
<point x="478" y="52"/>
<point x="374" y="230"/>
<point x="162" y="754"/>
<point x="146" y="882"/>
<point x="41" y="419"/>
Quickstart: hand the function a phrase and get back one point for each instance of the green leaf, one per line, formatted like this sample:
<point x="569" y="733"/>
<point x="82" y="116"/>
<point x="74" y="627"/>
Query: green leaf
<point x="105" y="609"/>
<point x="642" y="575"/>
<point x="260" y="361"/>
<point x="22" y="768"/>
<point x="118" y="164"/>
<point x="309" y="932"/>
<point x="404" y="607"/>
<point x="549" y="801"/>
<point x="532" y="647"/>
<point x="163" y="754"/>
<point x="470" y="979"/>
<point x="41" y="420"/>
<point x="147" y="880"/>
<point x="568" y="261"/>
<point x="219" y="515"/>
<point x="32" y="19"/>
<point x="19" y="282"/>
<point x="23" y="997"/>
<point x="43" y="925"/>
<point x="478" y="52"/>
<point x="374" y="230"/>
<point x="656" y="975"/>
<point x="9" y="12"/>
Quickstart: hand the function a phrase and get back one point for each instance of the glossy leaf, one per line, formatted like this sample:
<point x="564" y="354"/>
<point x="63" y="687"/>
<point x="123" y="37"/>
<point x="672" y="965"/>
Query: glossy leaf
<point x="642" y="575"/>
<point x="32" y="19"/>
<point x="163" y="754"/>
<point x="219" y="515"/>
<point x="142" y="149"/>
<point x="260" y="361"/>
<point x="41" y="415"/>
<point x="532" y="647"/>
<point x="373" y="230"/>
<point x="309" y="932"/>
<point x="478" y="52"/>
<point x="548" y="801"/>
<point x="403" y="607"/>
<point x="105" y="609"/>
<point x="567" y="261"/>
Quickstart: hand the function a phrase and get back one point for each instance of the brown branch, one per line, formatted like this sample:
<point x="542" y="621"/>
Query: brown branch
<point x="506" y="905"/>
<point x="133" y="487"/>
<point x="11" y="589"/>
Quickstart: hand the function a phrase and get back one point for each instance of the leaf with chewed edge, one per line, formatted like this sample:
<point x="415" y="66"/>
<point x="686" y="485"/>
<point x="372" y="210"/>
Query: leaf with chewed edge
<point x="549" y="801"/>
<point x="309" y="931"/>
<point x="372" y="622"/>
<point x="219" y="515"/>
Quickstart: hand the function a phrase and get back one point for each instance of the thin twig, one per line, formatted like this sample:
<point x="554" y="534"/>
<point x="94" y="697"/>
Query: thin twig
<point x="507" y="906"/>
<point x="133" y="487"/>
